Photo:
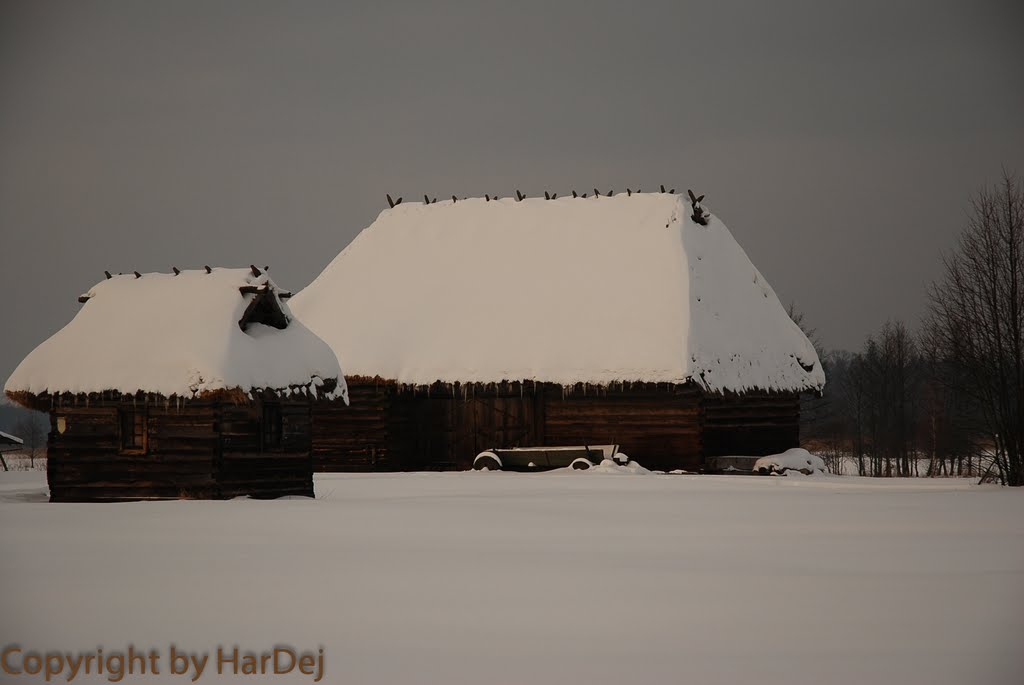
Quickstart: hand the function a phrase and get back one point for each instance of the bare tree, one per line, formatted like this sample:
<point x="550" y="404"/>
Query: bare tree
<point x="814" y="407"/>
<point x="33" y="437"/>
<point x="975" y="323"/>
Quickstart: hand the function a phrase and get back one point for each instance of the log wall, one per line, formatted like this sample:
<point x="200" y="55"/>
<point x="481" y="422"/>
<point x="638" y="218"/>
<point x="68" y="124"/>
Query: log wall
<point x="247" y="466"/>
<point x="199" y="449"/>
<point x="659" y="426"/>
<point x="754" y="424"/>
<point x="452" y="426"/>
<point x="665" y="427"/>
<point x="372" y="433"/>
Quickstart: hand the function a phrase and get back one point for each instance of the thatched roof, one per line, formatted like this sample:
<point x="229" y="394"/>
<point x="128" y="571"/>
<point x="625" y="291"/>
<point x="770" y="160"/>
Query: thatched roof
<point x="597" y="290"/>
<point x="181" y="335"/>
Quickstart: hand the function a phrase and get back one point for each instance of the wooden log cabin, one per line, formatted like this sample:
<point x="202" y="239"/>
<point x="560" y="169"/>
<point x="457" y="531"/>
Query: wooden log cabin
<point x="195" y="384"/>
<point x="634" y="319"/>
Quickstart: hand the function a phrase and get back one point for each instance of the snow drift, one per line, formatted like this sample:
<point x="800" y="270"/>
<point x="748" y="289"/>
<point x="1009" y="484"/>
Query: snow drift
<point x="796" y="459"/>
<point x="176" y="335"/>
<point x="595" y="290"/>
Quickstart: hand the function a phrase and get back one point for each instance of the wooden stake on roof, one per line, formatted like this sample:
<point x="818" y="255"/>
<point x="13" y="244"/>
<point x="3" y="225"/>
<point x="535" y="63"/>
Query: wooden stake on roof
<point x="699" y="215"/>
<point x="597" y="193"/>
<point x="208" y="269"/>
<point x="519" y="196"/>
<point x="107" y="274"/>
<point x="454" y="199"/>
<point x="574" y="194"/>
<point x="176" y="270"/>
<point x="137" y="274"/>
<point x="391" y="203"/>
<point x="546" y="196"/>
<point x="255" y="271"/>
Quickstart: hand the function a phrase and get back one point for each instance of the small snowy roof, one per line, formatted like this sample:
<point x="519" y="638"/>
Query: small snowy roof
<point x="594" y="290"/>
<point x="8" y="439"/>
<point x="179" y="334"/>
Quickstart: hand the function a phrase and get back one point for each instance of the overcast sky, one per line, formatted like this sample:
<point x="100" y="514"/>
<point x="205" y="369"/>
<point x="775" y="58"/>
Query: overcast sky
<point x="839" y="141"/>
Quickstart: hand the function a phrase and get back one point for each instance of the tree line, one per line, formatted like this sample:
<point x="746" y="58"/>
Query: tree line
<point x="948" y="399"/>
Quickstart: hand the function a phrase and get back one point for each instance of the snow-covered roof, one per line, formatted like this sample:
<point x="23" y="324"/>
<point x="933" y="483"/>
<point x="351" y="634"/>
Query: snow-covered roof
<point x="180" y="335"/>
<point x="594" y="290"/>
<point x="8" y="439"/>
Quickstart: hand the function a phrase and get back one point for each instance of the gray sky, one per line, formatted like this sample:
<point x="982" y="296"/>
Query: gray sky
<point x="839" y="141"/>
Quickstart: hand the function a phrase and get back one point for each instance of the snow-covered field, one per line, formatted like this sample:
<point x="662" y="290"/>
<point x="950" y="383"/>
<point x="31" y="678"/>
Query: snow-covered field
<point x="575" y="577"/>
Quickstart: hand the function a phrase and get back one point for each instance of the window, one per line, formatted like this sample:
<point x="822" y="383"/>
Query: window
<point x="271" y="425"/>
<point x="133" y="430"/>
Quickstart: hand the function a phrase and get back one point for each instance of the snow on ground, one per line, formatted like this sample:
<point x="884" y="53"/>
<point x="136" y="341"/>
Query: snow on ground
<point x="561" y="577"/>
